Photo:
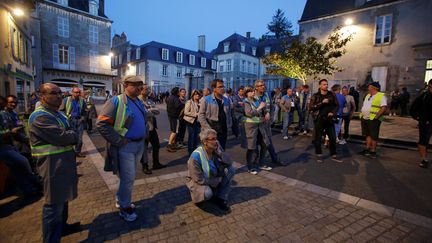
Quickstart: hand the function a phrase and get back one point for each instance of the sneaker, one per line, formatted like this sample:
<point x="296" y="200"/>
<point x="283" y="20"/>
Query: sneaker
<point x="319" y="158"/>
<point x="342" y="142"/>
<point x="372" y="155"/>
<point x="128" y="214"/>
<point x="335" y="159"/>
<point x="158" y="166"/>
<point x="424" y="164"/>
<point x="117" y="205"/>
<point x="285" y="137"/>
<point x="265" y="167"/>
<point x="304" y="132"/>
<point x="170" y="148"/>
<point x="365" y="152"/>
<point x="253" y="172"/>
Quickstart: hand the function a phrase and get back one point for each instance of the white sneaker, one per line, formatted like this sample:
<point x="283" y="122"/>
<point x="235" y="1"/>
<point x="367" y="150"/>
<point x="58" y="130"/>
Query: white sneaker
<point x="285" y="137"/>
<point x="265" y="167"/>
<point x="253" y="172"/>
<point x="342" y="142"/>
<point x="304" y="133"/>
<point x="128" y="214"/>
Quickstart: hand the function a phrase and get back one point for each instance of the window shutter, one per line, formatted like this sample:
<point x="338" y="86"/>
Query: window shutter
<point x="160" y="70"/>
<point x="66" y="27"/>
<point x="72" y="58"/>
<point x="55" y="55"/>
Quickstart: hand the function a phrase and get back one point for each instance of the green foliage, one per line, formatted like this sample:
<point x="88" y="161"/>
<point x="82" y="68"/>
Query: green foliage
<point x="309" y="59"/>
<point x="280" y="26"/>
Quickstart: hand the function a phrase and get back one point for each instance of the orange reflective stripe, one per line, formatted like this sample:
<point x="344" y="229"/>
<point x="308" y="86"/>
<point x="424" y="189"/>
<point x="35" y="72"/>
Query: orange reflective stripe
<point x="106" y="118"/>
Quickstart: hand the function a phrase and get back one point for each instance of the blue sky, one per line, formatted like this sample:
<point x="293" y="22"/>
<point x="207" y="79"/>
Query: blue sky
<point x="179" y="22"/>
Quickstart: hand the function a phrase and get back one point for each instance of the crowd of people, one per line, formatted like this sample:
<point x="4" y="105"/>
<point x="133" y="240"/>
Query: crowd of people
<point x="45" y="161"/>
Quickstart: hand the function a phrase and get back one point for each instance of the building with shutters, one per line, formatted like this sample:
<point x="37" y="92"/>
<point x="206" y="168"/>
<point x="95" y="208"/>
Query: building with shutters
<point x="75" y="44"/>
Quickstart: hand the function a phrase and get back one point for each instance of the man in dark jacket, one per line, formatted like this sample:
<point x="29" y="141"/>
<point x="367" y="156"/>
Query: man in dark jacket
<point x="173" y="109"/>
<point x="404" y="101"/>
<point x="324" y="107"/>
<point x="422" y="112"/>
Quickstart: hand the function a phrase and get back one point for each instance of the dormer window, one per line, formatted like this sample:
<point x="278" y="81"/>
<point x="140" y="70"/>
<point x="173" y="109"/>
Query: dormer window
<point x="63" y="2"/>
<point x="253" y="51"/>
<point x="242" y="47"/>
<point x="179" y="57"/>
<point x="165" y="53"/>
<point x="93" y="7"/>
<point x="267" y="50"/>
<point x="226" y="46"/>
<point x="203" y="62"/>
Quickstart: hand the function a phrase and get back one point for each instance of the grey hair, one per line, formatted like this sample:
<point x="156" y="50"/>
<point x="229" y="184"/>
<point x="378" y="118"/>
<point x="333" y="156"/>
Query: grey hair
<point x="204" y="134"/>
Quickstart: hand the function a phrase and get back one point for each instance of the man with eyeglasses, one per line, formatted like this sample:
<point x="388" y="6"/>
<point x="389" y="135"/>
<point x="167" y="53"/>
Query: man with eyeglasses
<point x="52" y="141"/>
<point x="215" y="109"/>
<point x="75" y="108"/>
<point x="122" y="122"/>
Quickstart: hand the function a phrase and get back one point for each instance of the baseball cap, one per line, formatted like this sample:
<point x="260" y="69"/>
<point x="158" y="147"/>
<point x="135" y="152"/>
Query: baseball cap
<point x="133" y="79"/>
<point x="376" y="85"/>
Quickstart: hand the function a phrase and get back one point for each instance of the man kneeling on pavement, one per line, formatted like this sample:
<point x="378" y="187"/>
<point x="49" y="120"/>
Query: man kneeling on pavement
<point x="210" y="172"/>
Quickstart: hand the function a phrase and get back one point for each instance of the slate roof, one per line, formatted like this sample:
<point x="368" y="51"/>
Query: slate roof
<point x="319" y="8"/>
<point x="83" y="5"/>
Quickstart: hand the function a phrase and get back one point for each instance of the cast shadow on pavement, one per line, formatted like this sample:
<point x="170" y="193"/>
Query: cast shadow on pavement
<point x="110" y="226"/>
<point x="16" y="204"/>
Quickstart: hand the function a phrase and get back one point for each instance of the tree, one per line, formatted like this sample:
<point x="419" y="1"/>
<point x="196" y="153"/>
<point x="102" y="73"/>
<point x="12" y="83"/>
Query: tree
<point x="280" y="26"/>
<point x="309" y="59"/>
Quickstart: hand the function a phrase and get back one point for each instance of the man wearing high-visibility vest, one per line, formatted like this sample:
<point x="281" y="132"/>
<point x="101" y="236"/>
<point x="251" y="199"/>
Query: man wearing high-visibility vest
<point x="372" y="113"/>
<point x="210" y="172"/>
<point x="52" y="141"/>
<point x="75" y="109"/>
<point x="122" y="122"/>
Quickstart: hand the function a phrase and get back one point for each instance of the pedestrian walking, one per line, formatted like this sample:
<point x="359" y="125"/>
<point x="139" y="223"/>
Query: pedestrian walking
<point x="173" y="107"/>
<point x="122" y="122"/>
<point x="422" y="112"/>
<point x="52" y="140"/>
<point x="372" y="114"/>
<point x="191" y="118"/>
<point x="210" y="172"/>
<point x="215" y="110"/>
<point x="75" y="109"/>
<point x="324" y="107"/>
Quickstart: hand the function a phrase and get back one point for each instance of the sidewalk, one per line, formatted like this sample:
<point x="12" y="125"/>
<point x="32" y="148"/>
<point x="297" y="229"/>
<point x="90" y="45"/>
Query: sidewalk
<point x="265" y="208"/>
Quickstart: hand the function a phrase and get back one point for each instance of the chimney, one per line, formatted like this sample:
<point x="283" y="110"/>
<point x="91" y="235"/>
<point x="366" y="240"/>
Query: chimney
<point x="248" y="34"/>
<point x="201" y="43"/>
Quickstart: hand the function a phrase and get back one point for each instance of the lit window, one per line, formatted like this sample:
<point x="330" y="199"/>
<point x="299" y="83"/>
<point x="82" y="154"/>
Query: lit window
<point x="242" y="47"/>
<point x="428" y="74"/>
<point x="191" y="59"/>
<point x="203" y="62"/>
<point x="228" y="62"/>
<point x="138" y="53"/>
<point x="226" y="47"/>
<point x="165" y="54"/>
<point x="383" y="29"/>
<point x="179" y="57"/>
<point x="63" y="26"/>
<point x="93" y="34"/>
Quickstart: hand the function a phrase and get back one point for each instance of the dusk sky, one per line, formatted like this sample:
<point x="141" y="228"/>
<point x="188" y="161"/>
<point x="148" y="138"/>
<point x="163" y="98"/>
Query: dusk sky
<point x="179" y="22"/>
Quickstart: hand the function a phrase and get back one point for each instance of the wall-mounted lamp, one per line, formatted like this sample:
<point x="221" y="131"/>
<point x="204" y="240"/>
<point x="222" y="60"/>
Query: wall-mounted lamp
<point x="349" y="21"/>
<point x="18" y="12"/>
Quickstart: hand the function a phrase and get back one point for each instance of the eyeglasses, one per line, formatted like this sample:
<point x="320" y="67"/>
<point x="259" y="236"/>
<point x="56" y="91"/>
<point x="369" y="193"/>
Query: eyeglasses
<point x="260" y="85"/>
<point x="220" y="87"/>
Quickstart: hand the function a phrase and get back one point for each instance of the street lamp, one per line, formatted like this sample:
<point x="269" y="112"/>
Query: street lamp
<point x="349" y="21"/>
<point x="18" y="12"/>
<point x="111" y="54"/>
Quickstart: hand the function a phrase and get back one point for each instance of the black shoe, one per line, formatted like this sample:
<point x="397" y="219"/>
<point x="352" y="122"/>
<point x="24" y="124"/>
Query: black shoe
<point x="365" y="152"/>
<point x="71" y="228"/>
<point x="221" y="204"/>
<point x="424" y="164"/>
<point x="170" y="148"/>
<point x="373" y="155"/>
<point x="146" y="169"/>
<point x="278" y="162"/>
<point x="158" y="166"/>
<point x="80" y="155"/>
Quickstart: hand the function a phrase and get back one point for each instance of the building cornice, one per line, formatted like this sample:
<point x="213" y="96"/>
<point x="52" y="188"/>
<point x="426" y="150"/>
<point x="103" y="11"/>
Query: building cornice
<point x="74" y="10"/>
<point x="77" y="72"/>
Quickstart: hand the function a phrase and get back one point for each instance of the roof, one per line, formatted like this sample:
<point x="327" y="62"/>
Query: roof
<point x="153" y="51"/>
<point x="83" y="5"/>
<point x="316" y="9"/>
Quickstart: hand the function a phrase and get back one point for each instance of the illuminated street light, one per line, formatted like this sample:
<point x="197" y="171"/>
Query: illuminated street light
<point x="18" y="12"/>
<point x="129" y="65"/>
<point x="111" y="54"/>
<point x="349" y="21"/>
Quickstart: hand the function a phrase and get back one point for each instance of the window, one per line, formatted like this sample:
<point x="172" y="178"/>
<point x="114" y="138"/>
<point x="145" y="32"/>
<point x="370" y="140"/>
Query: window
<point x="253" y="51"/>
<point x="191" y="71"/>
<point x="228" y="62"/>
<point x="93" y="61"/>
<point x="14" y="42"/>
<point x="242" y="47"/>
<point x="63" y="2"/>
<point x="243" y="66"/>
<point x="63" y="26"/>
<point x="63" y="57"/>
<point x="203" y="62"/>
<point x="120" y="59"/>
<point x="179" y="72"/>
<point x="213" y="64"/>
<point x="138" y="53"/>
<point x="93" y="34"/>
<point x="179" y="57"/>
<point x="93" y="8"/>
<point x="191" y="59"/>
<point x="128" y="55"/>
<point x="226" y="47"/>
<point x="221" y="66"/>
<point x="249" y="68"/>
<point x="254" y="68"/>
<point x="165" y="54"/>
<point x="383" y="29"/>
<point x="164" y="70"/>
<point x="428" y="74"/>
<point x="63" y="54"/>
<point x="267" y="50"/>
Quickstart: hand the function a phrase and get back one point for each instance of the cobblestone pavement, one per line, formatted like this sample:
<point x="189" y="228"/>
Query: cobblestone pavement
<point x="263" y="210"/>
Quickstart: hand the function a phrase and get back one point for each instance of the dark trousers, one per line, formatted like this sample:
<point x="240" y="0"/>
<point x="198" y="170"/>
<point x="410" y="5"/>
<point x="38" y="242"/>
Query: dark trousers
<point x="54" y="217"/>
<point x="153" y="139"/>
<point x="272" y="151"/>
<point x="78" y="126"/>
<point x="193" y="136"/>
<point x="255" y="158"/>
<point x="181" y="131"/>
<point x="235" y="127"/>
<point x="222" y="132"/>
<point x="323" y="127"/>
<point x="89" y="122"/>
<point x="346" y="121"/>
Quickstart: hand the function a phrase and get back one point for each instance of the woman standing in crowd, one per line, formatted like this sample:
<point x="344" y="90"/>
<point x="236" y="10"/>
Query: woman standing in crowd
<point x="190" y="118"/>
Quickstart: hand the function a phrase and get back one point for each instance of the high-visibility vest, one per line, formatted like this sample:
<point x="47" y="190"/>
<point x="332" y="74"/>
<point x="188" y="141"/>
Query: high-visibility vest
<point x="69" y="105"/>
<point x="121" y="115"/>
<point x="254" y="119"/>
<point x="376" y="102"/>
<point x="49" y="149"/>
<point x="204" y="162"/>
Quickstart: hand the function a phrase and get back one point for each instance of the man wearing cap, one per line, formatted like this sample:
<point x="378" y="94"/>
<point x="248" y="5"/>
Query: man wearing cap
<point x="372" y="113"/>
<point x="122" y="122"/>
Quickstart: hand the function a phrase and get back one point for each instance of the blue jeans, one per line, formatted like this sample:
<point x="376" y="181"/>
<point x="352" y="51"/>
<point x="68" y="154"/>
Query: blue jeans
<point x="287" y="121"/>
<point x="338" y="127"/>
<point x="224" y="188"/>
<point x="271" y="150"/>
<point x="193" y="136"/>
<point x="304" y="120"/>
<point x="78" y="126"/>
<point x="20" y="169"/>
<point x="129" y="155"/>
<point x="54" y="217"/>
